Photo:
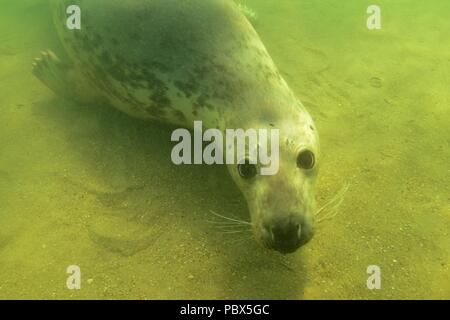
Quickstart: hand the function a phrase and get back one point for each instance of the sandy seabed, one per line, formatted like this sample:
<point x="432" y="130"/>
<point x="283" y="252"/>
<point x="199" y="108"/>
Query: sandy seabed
<point x="89" y="186"/>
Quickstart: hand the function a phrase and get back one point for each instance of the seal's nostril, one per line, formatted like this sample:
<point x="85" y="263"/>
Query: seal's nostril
<point x="267" y="236"/>
<point x="284" y="235"/>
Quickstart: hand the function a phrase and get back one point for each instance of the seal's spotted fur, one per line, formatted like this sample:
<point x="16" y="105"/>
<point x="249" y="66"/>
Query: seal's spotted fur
<point x="168" y="60"/>
<point x="178" y="61"/>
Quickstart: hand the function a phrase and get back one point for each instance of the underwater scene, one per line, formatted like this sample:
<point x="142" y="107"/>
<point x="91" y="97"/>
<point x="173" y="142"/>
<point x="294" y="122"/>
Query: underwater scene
<point x="116" y="119"/>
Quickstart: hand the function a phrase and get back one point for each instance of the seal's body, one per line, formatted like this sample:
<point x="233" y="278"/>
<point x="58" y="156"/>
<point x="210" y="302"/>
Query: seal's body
<point x="180" y="61"/>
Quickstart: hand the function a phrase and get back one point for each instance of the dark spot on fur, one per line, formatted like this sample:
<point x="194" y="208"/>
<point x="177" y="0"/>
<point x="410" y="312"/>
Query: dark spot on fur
<point x="97" y="39"/>
<point x="160" y="98"/>
<point x="155" y="65"/>
<point x="155" y="112"/>
<point x="106" y="58"/>
<point x="135" y="36"/>
<point x="201" y="102"/>
<point x="117" y="73"/>
<point x="188" y="88"/>
<point x="179" y="115"/>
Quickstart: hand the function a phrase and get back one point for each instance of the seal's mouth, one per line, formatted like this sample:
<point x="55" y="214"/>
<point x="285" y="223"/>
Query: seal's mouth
<point x="285" y="235"/>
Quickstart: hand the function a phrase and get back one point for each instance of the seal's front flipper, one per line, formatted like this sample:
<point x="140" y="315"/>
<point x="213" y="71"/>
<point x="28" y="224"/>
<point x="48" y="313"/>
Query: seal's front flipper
<point x="62" y="79"/>
<point x="52" y="72"/>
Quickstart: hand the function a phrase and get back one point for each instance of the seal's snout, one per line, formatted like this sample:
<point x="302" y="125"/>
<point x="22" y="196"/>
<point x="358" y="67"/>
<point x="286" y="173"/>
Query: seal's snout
<point x="286" y="234"/>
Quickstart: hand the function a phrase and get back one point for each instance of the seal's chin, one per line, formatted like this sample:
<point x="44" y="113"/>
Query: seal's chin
<point x="285" y="236"/>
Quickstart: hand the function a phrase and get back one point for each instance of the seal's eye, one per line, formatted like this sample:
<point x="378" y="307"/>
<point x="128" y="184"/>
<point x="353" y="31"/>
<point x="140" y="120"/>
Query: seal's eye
<point x="247" y="170"/>
<point x="306" y="160"/>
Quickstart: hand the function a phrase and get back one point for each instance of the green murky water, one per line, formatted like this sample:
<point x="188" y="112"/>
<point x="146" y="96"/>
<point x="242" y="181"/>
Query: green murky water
<point x="89" y="186"/>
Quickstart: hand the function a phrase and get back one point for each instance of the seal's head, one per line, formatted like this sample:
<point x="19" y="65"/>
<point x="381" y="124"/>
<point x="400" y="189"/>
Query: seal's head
<point x="282" y="205"/>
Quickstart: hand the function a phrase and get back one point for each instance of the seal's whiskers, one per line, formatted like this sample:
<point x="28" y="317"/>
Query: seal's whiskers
<point x="235" y="231"/>
<point x="226" y="224"/>
<point x="245" y="237"/>
<point x="236" y="227"/>
<point x="230" y="225"/>
<point x="332" y="206"/>
<point x="230" y="219"/>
